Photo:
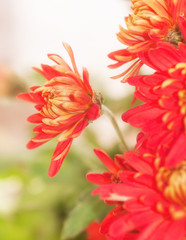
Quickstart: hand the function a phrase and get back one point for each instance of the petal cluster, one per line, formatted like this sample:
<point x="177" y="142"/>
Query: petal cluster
<point x="149" y="187"/>
<point x="66" y="104"/>
<point x="151" y="199"/>
<point x="151" y="22"/>
<point x="162" y="117"/>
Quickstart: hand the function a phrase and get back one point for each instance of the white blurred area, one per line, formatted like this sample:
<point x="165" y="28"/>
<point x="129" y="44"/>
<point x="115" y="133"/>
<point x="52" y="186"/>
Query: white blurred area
<point x="10" y="193"/>
<point x="30" y="29"/>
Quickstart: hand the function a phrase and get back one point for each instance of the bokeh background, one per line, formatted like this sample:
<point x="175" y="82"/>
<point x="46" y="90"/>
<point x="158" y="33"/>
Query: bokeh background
<point x="32" y="205"/>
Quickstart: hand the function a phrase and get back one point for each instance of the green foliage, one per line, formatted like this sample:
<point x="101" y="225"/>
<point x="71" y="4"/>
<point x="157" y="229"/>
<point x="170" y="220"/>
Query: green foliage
<point x="80" y="217"/>
<point x="47" y="207"/>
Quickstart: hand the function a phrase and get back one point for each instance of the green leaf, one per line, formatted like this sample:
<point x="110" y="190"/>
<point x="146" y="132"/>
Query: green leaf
<point x="80" y="217"/>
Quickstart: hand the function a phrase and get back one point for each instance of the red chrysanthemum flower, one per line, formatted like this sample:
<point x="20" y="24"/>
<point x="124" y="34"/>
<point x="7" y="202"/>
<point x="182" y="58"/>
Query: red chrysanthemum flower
<point x="66" y="104"/>
<point x="115" y="167"/>
<point x="93" y="233"/>
<point x="152" y="21"/>
<point x="154" y="197"/>
<point x="163" y="116"/>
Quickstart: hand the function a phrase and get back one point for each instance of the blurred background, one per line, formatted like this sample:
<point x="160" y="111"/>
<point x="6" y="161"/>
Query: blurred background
<point x="32" y="205"/>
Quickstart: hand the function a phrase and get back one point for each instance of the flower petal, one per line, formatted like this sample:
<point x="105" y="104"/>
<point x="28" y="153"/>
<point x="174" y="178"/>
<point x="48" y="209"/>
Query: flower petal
<point x="58" y="156"/>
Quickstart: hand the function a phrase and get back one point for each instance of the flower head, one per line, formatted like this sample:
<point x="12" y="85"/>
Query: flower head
<point x="114" y="168"/>
<point x="153" y="196"/>
<point x="163" y="115"/>
<point x="65" y="104"/>
<point x="112" y="176"/>
<point x="151" y="22"/>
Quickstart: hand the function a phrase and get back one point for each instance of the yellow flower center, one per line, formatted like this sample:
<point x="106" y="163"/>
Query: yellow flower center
<point x="172" y="183"/>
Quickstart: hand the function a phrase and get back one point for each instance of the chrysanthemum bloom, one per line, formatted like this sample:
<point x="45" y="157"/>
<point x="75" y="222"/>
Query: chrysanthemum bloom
<point x="93" y="233"/>
<point x="154" y="197"/>
<point x="66" y="104"/>
<point x="151" y="22"/>
<point x="114" y="168"/>
<point x="163" y="116"/>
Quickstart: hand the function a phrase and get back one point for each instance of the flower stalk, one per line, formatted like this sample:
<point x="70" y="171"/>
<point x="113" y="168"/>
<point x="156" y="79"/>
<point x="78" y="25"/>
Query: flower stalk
<point x="110" y="115"/>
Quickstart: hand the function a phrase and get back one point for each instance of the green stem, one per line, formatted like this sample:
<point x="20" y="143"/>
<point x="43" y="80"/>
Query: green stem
<point x="110" y="115"/>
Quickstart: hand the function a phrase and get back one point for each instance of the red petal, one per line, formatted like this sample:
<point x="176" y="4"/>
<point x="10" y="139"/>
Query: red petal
<point x="59" y="60"/>
<point x="133" y="160"/>
<point x="153" y="231"/>
<point x="35" y="118"/>
<point x="99" y="179"/>
<point x="71" y="55"/>
<point x="26" y="97"/>
<point x="58" y="156"/>
<point x="177" y="152"/>
<point x="110" y="218"/>
<point x="133" y="205"/>
<point x="106" y="160"/>
<point x="111" y="191"/>
<point x="141" y="115"/>
<point x="48" y="72"/>
<point x="176" y="230"/>
<point x="86" y="80"/>
<point x="40" y="139"/>
<point x="93" y="232"/>
<point x="122" y="53"/>
<point x="94" y="112"/>
<point x="133" y="221"/>
<point x="32" y="145"/>
<point x="161" y="58"/>
<point x="115" y="65"/>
